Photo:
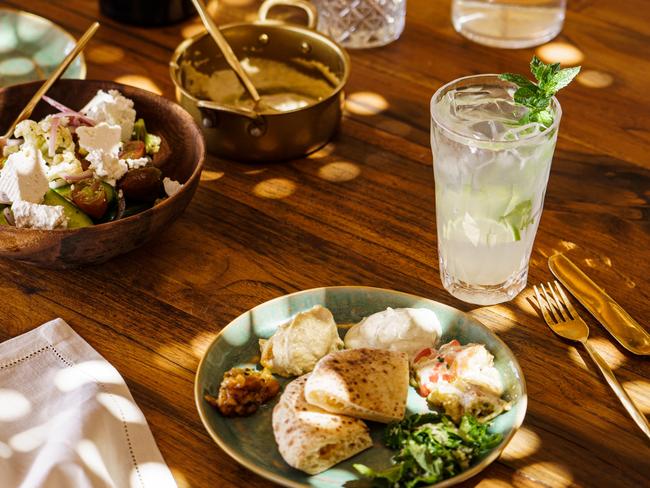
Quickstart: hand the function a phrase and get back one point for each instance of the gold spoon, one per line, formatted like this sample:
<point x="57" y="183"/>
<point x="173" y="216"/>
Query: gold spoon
<point x="29" y="108"/>
<point x="227" y="51"/>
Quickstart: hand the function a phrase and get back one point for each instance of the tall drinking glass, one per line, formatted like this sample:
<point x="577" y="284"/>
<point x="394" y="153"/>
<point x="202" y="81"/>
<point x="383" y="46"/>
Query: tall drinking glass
<point x="510" y="24"/>
<point x="490" y="179"/>
<point x="362" y="23"/>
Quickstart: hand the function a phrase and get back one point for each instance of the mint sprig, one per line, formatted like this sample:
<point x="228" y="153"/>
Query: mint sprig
<point x="537" y="96"/>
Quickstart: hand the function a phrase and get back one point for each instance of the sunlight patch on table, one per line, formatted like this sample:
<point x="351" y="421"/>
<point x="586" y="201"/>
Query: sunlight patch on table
<point x="191" y="30"/>
<point x="181" y="479"/>
<point x="92" y="458"/>
<point x="73" y="377"/>
<point x="255" y="171"/>
<point x="574" y="355"/>
<point x="104" y="53"/>
<point x="638" y="391"/>
<point x="275" y="188"/>
<point x="560" y="52"/>
<point x="592" y="78"/>
<point x="525" y="443"/>
<point x="568" y="245"/>
<point x="339" y="172"/>
<point x="553" y="473"/>
<point x="614" y="357"/>
<point x="366" y="103"/>
<point x="486" y="315"/>
<point x="208" y="175"/>
<point x="323" y="152"/>
<point x="396" y="127"/>
<point x="201" y="342"/>
<point x="121" y="408"/>
<point x="13" y="405"/>
<point x="140" y="81"/>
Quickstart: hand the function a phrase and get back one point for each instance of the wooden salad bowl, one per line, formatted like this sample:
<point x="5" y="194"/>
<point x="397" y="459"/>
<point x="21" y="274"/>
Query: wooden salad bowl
<point x="183" y="150"/>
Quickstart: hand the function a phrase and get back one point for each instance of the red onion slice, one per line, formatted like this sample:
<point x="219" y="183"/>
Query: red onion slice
<point x="51" y="143"/>
<point x="67" y="111"/>
<point x="81" y="176"/>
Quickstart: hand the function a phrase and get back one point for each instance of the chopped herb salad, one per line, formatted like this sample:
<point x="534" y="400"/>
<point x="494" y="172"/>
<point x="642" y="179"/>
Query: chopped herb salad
<point x="431" y="448"/>
<point x="76" y="169"/>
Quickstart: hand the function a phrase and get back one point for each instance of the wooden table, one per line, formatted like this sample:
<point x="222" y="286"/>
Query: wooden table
<point x="361" y="211"/>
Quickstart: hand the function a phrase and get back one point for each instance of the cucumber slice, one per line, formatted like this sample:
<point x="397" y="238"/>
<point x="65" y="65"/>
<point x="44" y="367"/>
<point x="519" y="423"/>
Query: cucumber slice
<point x="76" y="218"/>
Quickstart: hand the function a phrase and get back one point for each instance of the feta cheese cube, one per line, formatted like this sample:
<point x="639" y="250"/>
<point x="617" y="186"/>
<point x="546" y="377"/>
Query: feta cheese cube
<point x="107" y="166"/>
<point x="23" y="176"/>
<point x="103" y="145"/>
<point x="114" y="108"/>
<point x="172" y="187"/>
<point x="103" y="137"/>
<point x="35" y="216"/>
<point x="136" y="163"/>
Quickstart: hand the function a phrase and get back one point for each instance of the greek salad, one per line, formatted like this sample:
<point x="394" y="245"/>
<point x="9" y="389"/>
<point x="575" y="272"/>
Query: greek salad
<point x="76" y="169"/>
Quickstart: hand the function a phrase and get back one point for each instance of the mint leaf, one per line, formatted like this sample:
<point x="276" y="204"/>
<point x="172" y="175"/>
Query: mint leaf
<point x="564" y="77"/>
<point x="537" y="96"/>
<point x="518" y="80"/>
<point x="520" y="217"/>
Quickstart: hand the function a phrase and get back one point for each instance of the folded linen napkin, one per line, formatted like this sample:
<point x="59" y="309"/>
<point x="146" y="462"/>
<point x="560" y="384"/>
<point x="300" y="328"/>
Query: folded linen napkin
<point x="67" y="419"/>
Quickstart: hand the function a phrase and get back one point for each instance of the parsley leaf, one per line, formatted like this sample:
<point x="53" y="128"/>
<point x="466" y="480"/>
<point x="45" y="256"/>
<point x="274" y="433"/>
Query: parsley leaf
<point x="430" y="448"/>
<point x="537" y="96"/>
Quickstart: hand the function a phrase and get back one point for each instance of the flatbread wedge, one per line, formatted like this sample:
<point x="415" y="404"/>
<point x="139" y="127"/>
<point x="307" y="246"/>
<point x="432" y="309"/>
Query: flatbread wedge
<point x="370" y="384"/>
<point x="311" y="439"/>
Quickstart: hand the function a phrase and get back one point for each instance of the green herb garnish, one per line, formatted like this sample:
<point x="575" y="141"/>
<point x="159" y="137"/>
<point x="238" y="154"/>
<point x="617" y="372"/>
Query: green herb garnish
<point x="431" y="448"/>
<point x="151" y="142"/>
<point x="520" y="217"/>
<point x="537" y="97"/>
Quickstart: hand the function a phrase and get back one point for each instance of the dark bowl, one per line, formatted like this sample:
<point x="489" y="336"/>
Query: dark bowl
<point x="183" y="151"/>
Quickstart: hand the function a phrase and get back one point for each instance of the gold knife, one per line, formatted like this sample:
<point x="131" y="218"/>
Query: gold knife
<point x="610" y="314"/>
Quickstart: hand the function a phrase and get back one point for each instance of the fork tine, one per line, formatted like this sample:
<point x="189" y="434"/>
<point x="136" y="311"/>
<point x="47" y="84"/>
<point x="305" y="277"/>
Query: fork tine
<point x="549" y="300"/>
<point x="542" y="307"/>
<point x="566" y="301"/>
<point x="559" y="303"/>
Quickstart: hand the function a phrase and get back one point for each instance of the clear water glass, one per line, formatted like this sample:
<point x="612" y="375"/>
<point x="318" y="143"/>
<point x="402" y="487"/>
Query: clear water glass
<point x="361" y="23"/>
<point x="490" y="180"/>
<point x="510" y="24"/>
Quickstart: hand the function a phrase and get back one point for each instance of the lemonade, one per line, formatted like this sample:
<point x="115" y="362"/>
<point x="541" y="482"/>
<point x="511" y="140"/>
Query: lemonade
<point x="490" y="175"/>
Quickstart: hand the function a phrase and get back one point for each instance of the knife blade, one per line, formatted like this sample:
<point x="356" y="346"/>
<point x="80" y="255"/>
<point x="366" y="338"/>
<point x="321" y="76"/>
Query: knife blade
<point x="627" y="331"/>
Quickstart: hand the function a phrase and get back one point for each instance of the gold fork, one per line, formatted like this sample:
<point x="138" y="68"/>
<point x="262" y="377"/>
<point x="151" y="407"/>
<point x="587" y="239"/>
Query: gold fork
<point x="566" y="322"/>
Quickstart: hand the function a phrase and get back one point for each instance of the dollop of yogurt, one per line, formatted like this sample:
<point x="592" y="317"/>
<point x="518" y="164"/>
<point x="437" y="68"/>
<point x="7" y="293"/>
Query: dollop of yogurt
<point x="407" y="330"/>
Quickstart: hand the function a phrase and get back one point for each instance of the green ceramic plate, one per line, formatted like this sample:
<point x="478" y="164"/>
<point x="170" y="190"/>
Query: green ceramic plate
<point x="31" y="47"/>
<point x="250" y="441"/>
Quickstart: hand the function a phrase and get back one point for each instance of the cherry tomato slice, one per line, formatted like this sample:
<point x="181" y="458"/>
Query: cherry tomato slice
<point x="90" y="196"/>
<point x="132" y="150"/>
<point x="422" y="353"/>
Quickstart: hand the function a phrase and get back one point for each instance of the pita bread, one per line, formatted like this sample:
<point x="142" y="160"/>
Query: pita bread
<point x="370" y="384"/>
<point x="311" y="439"/>
<point x="296" y="346"/>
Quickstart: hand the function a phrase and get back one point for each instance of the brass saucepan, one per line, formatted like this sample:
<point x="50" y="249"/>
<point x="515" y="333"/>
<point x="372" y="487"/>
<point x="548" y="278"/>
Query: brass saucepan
<point x="259" y="136"/>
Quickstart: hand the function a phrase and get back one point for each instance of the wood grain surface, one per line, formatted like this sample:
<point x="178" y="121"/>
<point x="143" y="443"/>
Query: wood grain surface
<point x="361" y="211"/>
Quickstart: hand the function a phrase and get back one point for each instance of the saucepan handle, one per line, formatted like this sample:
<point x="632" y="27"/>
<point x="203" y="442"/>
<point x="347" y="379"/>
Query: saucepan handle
<point x="308" y="7"/>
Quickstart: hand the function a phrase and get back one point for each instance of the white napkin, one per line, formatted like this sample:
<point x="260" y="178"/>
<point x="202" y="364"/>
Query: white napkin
<point x="67" y="419"/>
